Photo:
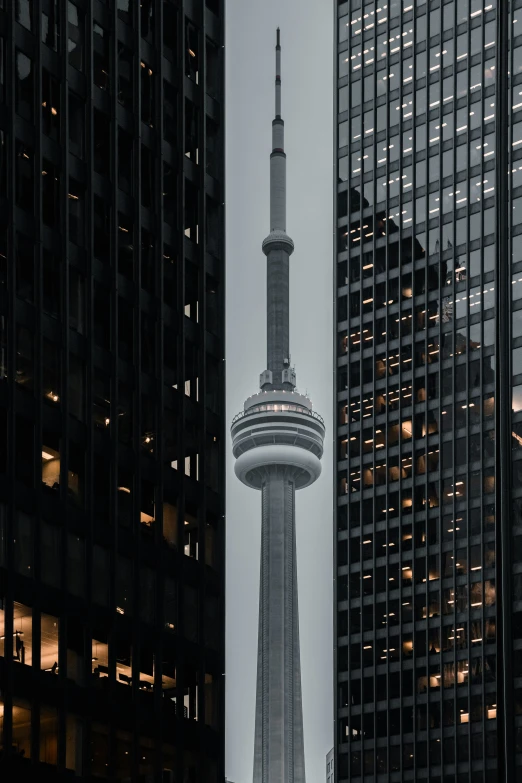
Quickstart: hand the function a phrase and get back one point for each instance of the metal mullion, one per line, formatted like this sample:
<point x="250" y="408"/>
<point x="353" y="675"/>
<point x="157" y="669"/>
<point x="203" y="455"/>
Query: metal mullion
<point x="373" y="359"/>
<point x="387" y="385"/>
<point x="160" y="395"/>
<point x="37" y="271"/>
<point x="414" y="343"/>
<point x="11" y="353"/>
<point x="335" y="403"/>
<point x="466" y="543"/>
<point x="440" y="515"/>
<point x="468" y="436"/>
<point x="137" y="367"/>
<point x="114" y="371"/>
<point x="505" y="712"/>
<point x="202" y="509"/>
<point x="400" y="382"/>
<point x="137" y="413"/>
<point x="64" y="340"/>
<point x="441" y="436"/>
<point x="90" y="373"/>
<point x="180" y="232"/>
<point x="222" y="398"/>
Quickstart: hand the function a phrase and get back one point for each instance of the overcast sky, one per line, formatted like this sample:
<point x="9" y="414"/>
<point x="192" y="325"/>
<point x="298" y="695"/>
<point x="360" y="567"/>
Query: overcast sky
<point x="307" y="65"/>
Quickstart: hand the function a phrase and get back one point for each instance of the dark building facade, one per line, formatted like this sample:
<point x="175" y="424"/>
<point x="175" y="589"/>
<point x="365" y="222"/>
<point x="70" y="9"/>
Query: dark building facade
<point x="111" y="390"/>
<point x="428" y="272"/>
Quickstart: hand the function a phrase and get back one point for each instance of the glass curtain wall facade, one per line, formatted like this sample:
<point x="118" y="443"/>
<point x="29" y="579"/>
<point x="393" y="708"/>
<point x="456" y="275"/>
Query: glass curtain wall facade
<point x="111" y="390"/>
<point x="429" y="391"/>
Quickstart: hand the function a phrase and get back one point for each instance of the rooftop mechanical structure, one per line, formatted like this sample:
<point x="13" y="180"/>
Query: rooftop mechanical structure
<point x="278" y="444"/>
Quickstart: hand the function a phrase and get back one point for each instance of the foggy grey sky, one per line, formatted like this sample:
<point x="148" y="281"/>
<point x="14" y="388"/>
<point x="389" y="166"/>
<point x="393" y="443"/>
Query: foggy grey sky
<point x="307" y="65"/>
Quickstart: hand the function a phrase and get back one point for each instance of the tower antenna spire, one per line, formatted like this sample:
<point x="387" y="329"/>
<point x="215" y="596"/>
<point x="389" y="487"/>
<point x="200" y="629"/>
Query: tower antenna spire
<point x="278" y="247"/>
<point x="278" y="75"/>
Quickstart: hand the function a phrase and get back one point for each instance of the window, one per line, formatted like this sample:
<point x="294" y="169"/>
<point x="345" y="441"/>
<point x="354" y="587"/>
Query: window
<point x="148" y="266"/>
<point x="23" y="562"/>
<point x="76" y="124"/>
<point x="170" y="28"/>
<point x="24" y="268"/>
<point x="147" y="19"/>
<point x="101" y="56"/>
<point x="102" y="143"/>
<point x="76" y="35"/>
<point x="191" y="131"/>
<point x="191" y="52"/>
<point x="50" y="461"/>
<point x="191" y="211"/>
<point x="24" y="358"/>
<point x="124" y="11"/>
<point x="102" y="229"/>
<point x="125" y="160"/>
<point x="123" y="585"/>
<point x="213" y="70"/>
<point x="50" y="25"/>
<point x="24" y="86"/>
<point x="50" y="538"/>
<point x="125" y="246"/>
<point x="76" y="387"/>
<point x="76" y="300"/>
<point x="169" y="112"/>
<point x="101" y="405"/>
<point x="76" y="200"/>
<point x="50" y="194"/>
<point x="24" y="13"/>
<point x="51" y="383"/>
<point x="147" y="94"/>
<point x="169" y="196"/>
<point x="50" y="105"/>
<point x="75" y="564"/>
<point x="147" y="177"/>
<point x="22" y="728"/>
<point x="100" y="576"/>
<point x="49" y="630"/>
<point x="125" y="62"/>
<point x="102" y="316"/>
<point x="125" y="335"/>
<point x="49" y="735"/>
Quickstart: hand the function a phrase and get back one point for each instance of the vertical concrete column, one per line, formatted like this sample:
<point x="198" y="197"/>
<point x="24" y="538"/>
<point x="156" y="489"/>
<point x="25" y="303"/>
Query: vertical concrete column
<point x="279" y="747"/>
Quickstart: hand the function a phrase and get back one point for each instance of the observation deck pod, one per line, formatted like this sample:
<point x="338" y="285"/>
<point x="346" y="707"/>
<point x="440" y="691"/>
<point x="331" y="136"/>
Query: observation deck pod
<point x="277" y="429"/>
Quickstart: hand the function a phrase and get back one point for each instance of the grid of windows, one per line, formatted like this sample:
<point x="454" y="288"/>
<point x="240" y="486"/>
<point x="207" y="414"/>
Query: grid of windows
<point x="111" y="389"/>
<point x="428" y="396"/>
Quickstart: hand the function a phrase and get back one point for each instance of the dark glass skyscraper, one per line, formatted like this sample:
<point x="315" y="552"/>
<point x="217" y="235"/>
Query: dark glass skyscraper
<point x="429" y="391"/>
<point x="111" y="390"/>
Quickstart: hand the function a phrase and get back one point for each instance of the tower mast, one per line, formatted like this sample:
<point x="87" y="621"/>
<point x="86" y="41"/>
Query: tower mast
<point x="278" y="248"/>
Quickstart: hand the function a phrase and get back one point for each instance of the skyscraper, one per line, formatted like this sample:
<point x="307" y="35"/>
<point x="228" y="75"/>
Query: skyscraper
<point x="429" y="411"/>
<point x="111" y="390"/>
<point x="330" y="774"/>
<point x="278" y="444"/>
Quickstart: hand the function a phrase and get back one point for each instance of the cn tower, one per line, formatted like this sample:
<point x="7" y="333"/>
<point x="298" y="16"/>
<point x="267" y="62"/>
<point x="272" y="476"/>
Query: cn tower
<point x="278" y="444"/>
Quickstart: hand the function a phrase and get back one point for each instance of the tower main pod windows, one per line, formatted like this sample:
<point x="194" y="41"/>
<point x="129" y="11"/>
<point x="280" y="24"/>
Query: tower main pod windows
<point x="421" y="551"/>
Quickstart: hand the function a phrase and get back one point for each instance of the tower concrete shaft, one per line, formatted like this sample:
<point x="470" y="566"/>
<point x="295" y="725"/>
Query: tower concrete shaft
<point x="279" y="743"/>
